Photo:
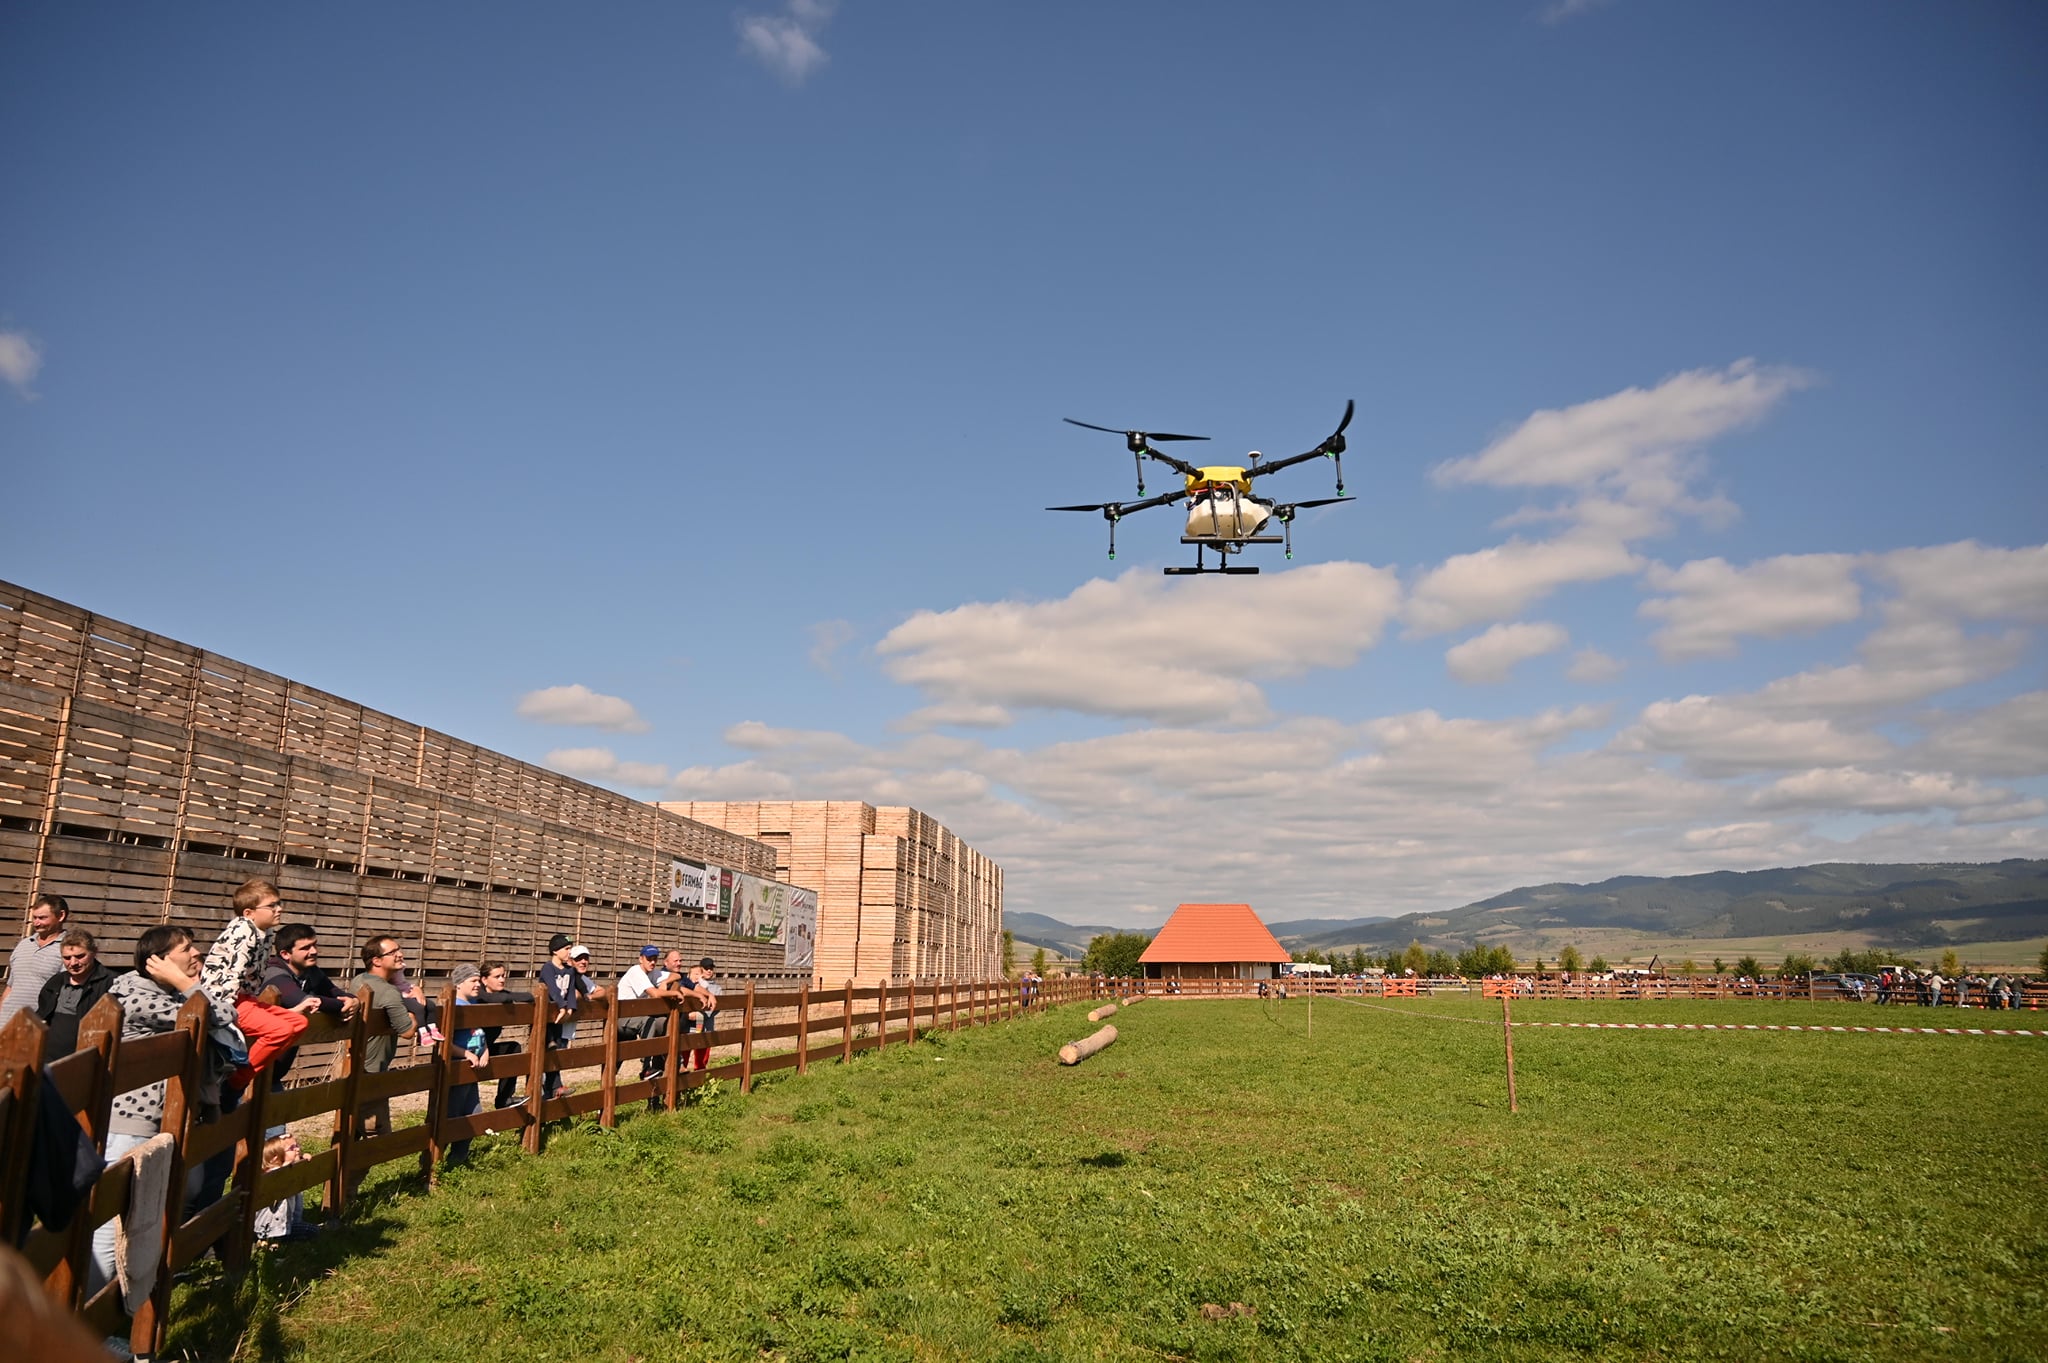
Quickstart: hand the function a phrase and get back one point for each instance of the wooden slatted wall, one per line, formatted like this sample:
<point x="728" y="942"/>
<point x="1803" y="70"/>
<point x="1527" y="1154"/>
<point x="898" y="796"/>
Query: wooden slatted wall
<point x="143" y="779"/>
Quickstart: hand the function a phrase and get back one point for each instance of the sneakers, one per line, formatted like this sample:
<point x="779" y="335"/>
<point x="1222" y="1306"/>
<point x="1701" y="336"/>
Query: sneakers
<point x="430" y="1035"/>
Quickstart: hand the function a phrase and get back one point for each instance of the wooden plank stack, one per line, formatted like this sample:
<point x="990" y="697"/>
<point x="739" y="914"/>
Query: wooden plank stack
<point x="143" y="779"/>
<point x="900" y="896"/>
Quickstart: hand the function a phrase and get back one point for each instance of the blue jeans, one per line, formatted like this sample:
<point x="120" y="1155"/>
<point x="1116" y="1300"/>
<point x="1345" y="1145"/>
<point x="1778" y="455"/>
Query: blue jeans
<point x="463" y="1101"/>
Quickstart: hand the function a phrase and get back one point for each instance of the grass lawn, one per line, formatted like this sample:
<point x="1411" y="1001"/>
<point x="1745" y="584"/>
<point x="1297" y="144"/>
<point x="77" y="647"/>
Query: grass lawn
<point x="1362" y="1192"/>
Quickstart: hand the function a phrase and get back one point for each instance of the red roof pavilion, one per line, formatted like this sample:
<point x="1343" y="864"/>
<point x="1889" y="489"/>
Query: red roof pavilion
<point x="1214" y="941"/>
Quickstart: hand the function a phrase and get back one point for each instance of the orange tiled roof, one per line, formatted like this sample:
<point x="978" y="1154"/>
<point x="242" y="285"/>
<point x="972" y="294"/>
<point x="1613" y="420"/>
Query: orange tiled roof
<point x="1214" y="932"/>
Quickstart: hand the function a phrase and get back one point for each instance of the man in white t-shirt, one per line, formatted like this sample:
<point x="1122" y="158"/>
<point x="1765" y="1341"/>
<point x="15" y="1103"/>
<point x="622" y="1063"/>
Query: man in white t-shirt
<point x="37" y="958"/>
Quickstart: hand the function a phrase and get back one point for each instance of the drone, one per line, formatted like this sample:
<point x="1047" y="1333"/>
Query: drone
<point x="1223" y="512"/>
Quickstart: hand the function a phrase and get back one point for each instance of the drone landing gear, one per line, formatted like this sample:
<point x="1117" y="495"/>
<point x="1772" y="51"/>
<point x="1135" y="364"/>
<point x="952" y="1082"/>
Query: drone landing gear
<point x="1222" y="565"/>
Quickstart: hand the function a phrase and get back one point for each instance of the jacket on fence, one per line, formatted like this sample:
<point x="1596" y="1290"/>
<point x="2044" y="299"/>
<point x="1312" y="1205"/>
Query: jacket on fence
<point x="147" y="1009"/>
<point x="234" y="965"/>
<point x="63" y="1162"/>
<point x="63" y="1014"/>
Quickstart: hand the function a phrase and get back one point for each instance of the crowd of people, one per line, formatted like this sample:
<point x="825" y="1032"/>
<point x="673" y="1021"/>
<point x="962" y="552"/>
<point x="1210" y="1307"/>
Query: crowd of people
<point x="262" y="983"/>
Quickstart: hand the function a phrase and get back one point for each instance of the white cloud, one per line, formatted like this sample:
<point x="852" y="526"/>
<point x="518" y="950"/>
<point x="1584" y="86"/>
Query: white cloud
<point x="1720" y="737"/>
<point x="1144" y="646"/>
<point x="1709" y="603"/>
<point x="787" y="43"/>
<point x="601" y="766"/>
<point x="578" y="704"/>
<point x="1628" y="436"/>
<point x="1876" y="792"/>
<point x="1492" y="584"/>
<point x="2006" y="739"/>
<point x="1492" y="656"/>
<point x="959" y="714"/>
<point x="1561" y="10"/>
<point x="827" y="638"/>
<point x="1591" y="665"/>
<point x="1909" y="658"/>
<point x="21" y="359"/>
<point x="1973" y="582"/>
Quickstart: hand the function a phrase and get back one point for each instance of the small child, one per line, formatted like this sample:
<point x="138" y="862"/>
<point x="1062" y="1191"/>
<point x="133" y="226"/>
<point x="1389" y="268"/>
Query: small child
<point x="427" y="1035"/>
<point x="284" y="1219"/>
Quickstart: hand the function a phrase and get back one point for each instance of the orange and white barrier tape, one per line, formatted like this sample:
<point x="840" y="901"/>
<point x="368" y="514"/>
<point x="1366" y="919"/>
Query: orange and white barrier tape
<point x="1782" y="1027"/>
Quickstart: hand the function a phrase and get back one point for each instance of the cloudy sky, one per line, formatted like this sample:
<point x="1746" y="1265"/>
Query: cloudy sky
<point x="670" y="394"/>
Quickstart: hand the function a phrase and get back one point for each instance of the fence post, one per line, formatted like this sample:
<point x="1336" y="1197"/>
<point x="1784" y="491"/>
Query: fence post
<point x="882" y="1013"/>
<point x="346" y="1116"/>
<point x="152" y="1321"/>
<point x="747" y="1044"/>
<point x="99" y="1031"/>
<point x="910" y="1011"/>
<point x="803" y="1028"/>
<point x="846" y="1028"/>
<point x="671" y="1081"/>
<point x="953" y="1005"/>
<point x="537" y="1068"/>
<point x="437" y="1097"/>
<point x="608" y="1114"/>
<point x="248" y="1168"/>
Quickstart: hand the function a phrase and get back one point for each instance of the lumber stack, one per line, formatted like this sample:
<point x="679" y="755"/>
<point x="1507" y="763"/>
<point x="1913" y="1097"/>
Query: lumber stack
<point x="900" y="896"/>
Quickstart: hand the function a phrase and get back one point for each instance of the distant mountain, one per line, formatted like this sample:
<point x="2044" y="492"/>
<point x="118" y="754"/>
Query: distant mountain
<point x="1913" y="905"/>
<point x="1908" y="907"/>
<point x="1067" y="939"/>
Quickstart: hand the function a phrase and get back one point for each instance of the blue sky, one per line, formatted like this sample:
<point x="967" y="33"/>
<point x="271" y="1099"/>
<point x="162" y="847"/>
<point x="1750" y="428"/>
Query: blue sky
<point x="670" y="394"/>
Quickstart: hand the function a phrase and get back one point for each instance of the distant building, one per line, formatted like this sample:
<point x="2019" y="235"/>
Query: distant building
<point x="1214" y="942"/>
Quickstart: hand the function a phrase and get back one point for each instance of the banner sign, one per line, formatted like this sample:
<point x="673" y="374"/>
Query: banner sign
<point x="686" y="886"/>
<point x="800" y="929"/>
<point x="758" y="908"/>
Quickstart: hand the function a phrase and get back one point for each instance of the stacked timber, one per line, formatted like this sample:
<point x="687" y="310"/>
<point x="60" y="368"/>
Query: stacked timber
<point x="899" y="895"/>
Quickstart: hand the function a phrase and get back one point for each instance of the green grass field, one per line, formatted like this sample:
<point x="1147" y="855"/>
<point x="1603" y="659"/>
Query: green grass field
<point x="1362" y="1192"/>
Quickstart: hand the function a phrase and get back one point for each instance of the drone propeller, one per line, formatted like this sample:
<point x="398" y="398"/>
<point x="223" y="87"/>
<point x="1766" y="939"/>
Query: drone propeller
<point x="1116" y="511"/>
<point x="1333" y="445"/>
<point x="1285" y="513"/>
<point x="1138" y="443"/>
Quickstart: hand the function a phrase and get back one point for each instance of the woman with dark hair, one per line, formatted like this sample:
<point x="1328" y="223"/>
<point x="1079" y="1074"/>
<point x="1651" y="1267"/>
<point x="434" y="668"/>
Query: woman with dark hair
<point x="166" y="974"/>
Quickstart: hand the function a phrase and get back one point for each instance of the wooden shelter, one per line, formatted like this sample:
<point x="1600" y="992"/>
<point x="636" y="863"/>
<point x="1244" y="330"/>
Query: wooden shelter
<point x="1214" y="942"/>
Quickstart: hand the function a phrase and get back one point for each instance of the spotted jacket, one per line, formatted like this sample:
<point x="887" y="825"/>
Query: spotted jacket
<point x="147" y="1009"/>
<point x="234" y="966"/>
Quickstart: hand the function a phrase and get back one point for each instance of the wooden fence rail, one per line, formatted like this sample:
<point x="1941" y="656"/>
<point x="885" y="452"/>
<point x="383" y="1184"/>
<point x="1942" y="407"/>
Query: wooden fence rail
<point x="756" y="1032"/>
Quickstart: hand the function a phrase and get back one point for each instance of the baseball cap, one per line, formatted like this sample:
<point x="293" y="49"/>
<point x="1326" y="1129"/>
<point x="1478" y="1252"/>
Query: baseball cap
<point x="650" y="953"/>
<point x="579" y="950"/>
<point x="707" y="964"/>
<point x="558" y="941"/>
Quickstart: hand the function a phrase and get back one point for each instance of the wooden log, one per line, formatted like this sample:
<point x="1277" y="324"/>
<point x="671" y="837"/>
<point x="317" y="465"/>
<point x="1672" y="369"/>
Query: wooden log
<point x="1106" y="1010"/>
<point x="1134" y="1000"/>
<point x="1074" y="1052"/>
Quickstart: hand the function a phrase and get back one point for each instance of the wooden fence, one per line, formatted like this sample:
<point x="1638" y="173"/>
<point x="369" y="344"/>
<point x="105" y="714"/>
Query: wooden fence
<point x="757" y="1032"/>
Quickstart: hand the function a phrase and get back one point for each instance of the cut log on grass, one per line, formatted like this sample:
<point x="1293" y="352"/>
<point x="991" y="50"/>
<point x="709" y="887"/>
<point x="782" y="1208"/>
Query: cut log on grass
<point x="1074" y="1052"/>
<point x="1134" y="1000"/>
<point x="1106" y="1010"/>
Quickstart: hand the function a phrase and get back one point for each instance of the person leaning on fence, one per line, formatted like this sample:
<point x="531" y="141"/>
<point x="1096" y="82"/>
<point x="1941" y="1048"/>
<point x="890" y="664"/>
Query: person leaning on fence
<point x="36" y="957"/>
<point x="558" y="979"/>
<point x="472" y="1049"/>
<point x="495" y="974"/>
<point x="233" y="976"/>
<point x="70" y="994"/>
<point x="294" y="972"/>
<point x="704" y="980"/>
<point x="383" y="958"/>
<point x="639" y="982"/>
<point x="166" y="974"/>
